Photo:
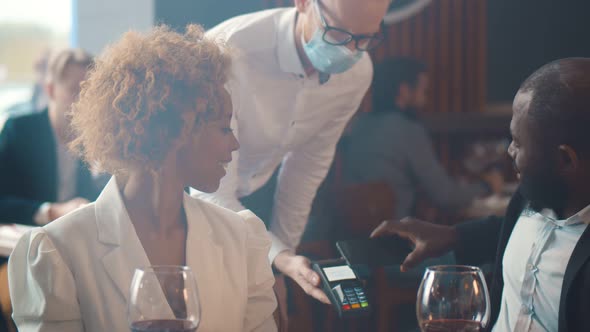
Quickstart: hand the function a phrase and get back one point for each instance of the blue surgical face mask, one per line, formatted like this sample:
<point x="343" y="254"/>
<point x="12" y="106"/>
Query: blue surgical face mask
<point x="329" y="59"/>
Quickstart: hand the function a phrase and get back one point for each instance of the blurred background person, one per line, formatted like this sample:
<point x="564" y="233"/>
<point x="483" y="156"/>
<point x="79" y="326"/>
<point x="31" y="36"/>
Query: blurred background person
<point x="391" y="144"/>
<point x="40" y="179"/>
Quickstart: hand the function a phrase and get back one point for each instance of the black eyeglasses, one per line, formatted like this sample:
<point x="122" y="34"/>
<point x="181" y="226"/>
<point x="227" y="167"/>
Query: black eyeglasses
<point x="336" y="36"/>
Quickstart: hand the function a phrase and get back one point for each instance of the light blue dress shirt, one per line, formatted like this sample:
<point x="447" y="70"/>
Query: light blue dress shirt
<point x="534" y="265"/>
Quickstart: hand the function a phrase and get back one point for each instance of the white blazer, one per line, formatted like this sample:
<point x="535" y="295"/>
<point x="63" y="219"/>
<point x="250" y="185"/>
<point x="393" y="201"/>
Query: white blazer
<point x="74" y="274"/>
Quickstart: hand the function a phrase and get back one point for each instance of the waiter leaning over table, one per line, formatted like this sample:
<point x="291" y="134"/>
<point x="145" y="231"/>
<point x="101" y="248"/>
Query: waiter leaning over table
<point x="299" y="75"/>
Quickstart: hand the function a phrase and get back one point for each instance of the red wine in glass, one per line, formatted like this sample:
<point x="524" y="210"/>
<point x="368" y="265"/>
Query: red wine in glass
<point x="163" y="299"/>
<point x="164" y="325"/>
<point x="453" y="298"/>
<point x="451" y="325"/>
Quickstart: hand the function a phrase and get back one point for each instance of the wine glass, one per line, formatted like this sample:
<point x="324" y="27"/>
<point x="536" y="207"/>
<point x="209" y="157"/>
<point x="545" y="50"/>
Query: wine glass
<point x="453" y="298"/>
<point x="163" y="299"/>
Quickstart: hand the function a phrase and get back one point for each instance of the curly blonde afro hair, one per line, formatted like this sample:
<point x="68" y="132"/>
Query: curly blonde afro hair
<point x="130" y="109"/>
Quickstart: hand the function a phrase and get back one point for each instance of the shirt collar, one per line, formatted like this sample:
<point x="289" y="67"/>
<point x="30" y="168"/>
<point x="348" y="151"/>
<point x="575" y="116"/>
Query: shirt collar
<point x="583" y="216"/>
<point x="287" y="51"/>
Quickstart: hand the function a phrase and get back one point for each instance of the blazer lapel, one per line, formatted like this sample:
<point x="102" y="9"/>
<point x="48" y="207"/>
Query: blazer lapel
<point x="579" y="257"/>
<point x="204" y="255"/>
<point x="115" y="230"/>
<point x="121" y="262"/>
<point x="515" y="208"/>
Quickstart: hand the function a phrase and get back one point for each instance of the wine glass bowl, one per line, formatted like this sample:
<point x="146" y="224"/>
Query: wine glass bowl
<point x="453" y="298"/>
<point x="163" y="299"/>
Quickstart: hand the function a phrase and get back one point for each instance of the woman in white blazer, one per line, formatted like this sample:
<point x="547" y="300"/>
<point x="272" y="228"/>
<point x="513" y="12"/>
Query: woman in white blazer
<point x="154" y="113"/>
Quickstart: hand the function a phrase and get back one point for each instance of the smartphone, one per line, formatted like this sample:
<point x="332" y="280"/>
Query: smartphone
<point x="378" y="252"/>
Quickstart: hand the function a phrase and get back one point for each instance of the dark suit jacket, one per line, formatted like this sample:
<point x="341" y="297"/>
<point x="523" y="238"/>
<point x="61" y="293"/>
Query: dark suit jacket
<point x="28" y="169"/>
<point x="486" y="240"/>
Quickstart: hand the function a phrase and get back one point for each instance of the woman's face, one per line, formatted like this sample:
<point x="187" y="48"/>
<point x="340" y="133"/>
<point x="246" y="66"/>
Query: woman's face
<point x="205" y="156"/>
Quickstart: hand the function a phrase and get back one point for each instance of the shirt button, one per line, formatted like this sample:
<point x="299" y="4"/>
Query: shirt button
<point x="527" y="310"/>
<point x="292" y="123"/>
<point x="532" y="268"/>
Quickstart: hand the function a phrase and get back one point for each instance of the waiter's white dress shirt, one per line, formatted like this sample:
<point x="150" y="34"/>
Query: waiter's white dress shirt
<point x="282" y="116"/>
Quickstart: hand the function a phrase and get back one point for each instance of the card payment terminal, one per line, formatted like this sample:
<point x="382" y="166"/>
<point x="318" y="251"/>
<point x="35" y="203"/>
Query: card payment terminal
<point x="343" y="288"/>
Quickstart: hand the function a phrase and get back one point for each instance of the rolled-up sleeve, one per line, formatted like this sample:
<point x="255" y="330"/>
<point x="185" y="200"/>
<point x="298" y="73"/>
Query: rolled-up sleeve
<point x="304" y="169"/>
<point x="261" y="297"/>
<point x="42" y="287"/>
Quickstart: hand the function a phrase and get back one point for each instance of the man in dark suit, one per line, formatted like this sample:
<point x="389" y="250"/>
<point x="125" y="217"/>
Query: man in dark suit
<point x="541" y="248"/>
<point x="39" y="179"/>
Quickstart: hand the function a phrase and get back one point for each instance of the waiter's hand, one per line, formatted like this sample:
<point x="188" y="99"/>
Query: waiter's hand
<point x="430" y="240"/>
<point x="298" y="268"/>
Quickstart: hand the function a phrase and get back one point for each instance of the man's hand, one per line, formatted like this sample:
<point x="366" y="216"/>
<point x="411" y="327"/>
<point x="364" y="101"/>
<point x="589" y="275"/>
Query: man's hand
<point x="298" y="268"/>
<point x="430" y="240"/>
<point x="57" y="210"/>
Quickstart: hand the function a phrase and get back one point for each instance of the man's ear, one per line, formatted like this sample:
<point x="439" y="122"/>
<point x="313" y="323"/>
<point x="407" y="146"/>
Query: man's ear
<point x="568" y="158"/>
